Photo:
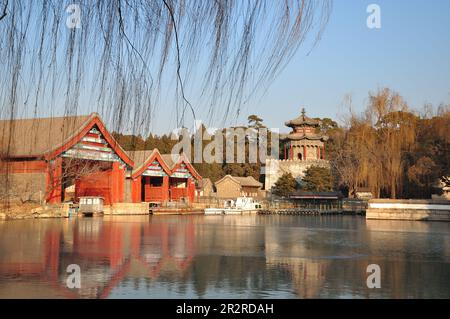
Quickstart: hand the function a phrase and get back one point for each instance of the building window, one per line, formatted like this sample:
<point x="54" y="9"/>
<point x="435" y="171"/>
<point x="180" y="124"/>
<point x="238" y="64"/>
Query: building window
<point x="156" y="181"/>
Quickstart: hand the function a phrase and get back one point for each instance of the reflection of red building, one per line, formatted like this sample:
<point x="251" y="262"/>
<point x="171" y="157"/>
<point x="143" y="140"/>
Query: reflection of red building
<point x="163" y="244"/>
<point x="149" y="246"/>
<point x="97" y="240"/>
<point x="45" y="260"/>
<point x="44" y="156"/>
<point x="160" y="178"/>
<point x="35" y="261"/>
<point x="106" y="251"/>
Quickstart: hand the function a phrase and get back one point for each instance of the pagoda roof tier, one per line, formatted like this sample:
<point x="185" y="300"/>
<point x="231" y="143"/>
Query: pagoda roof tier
<point x="302" y="120"/>
<point x="301" y="136"/>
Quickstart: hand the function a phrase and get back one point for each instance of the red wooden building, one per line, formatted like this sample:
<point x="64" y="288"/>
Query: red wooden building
<point x="44" y="158"/>
<point x="182" y="177"/>
<point x="160" y="178"/>
<point x="150" y="177"/>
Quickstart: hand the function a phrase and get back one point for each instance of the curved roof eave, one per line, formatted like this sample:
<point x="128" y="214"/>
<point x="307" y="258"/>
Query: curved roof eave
<point x="192" y="170"/>
<point x="94" y="119"/>
<point x="155" y="154"/>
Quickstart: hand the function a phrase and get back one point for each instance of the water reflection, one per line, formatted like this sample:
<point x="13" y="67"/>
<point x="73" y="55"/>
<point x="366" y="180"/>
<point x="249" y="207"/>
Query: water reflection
<point x="223" y="256"/>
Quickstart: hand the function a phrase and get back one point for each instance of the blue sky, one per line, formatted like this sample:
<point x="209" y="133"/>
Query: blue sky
<point x="410" y="54"/>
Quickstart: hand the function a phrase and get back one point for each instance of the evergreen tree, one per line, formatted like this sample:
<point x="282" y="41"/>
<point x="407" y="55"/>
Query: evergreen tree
<point x="255" y="121"/>
<point x="317" y="179"/>
<point x="285" y="185"/>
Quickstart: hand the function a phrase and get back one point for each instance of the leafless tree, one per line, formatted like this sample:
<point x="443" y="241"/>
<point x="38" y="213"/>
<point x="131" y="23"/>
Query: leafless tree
<point x="72" y="169"/>
<point x="373" y="148"/>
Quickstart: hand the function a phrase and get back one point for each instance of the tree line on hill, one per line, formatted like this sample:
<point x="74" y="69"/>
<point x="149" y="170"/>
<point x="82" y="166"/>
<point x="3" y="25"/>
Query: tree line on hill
<point x="165" y="144"/>
<point x="389" y="148"/>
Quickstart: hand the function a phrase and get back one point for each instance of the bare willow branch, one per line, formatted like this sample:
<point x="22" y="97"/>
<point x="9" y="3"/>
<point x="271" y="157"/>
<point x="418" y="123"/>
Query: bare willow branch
<point x="4" y="13"/>
<point x="177" y="44"/>
<point x="125" y="59"/>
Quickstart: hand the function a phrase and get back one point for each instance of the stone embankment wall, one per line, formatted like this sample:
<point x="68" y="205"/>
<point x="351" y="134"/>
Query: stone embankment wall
<point x="423" y="210"/>
<point x="26" y="211"/>
<point x="127" y="209"/>
<point x="274" y="169"/>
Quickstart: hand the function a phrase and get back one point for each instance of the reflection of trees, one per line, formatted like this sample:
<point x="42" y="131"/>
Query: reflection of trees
<point x="232" y="256"/>
<point x="245" y="256"/>
<point x="231" y="259"/>
<point x="293" y="255"/>
<point x="401" y="247"/>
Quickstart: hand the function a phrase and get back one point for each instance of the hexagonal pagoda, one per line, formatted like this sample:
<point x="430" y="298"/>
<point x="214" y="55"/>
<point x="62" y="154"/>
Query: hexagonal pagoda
<point x="303" y="143"/>
<point x="303" y="147"/>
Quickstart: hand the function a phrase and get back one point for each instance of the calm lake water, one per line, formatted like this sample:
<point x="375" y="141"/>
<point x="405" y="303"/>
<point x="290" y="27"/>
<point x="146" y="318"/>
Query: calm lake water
<point x="224" y="257"/>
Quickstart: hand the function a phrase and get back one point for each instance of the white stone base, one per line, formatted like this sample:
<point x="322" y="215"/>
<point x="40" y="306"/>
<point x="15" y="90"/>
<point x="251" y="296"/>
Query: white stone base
<point x="424" y="210"/>
<point x="276" y="168"/>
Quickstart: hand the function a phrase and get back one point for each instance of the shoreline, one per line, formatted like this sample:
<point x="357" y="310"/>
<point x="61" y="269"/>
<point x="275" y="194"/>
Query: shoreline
<point x="32" y="211"/>
<point x="378" y="209"/>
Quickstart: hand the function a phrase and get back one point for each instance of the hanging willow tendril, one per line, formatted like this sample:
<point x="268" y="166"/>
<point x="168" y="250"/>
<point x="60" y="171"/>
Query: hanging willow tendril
<point x="128" y="56"/>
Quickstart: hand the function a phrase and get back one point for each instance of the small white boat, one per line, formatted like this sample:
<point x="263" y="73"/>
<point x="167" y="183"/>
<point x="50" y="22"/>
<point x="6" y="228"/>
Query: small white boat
<point x="242" y="205"/>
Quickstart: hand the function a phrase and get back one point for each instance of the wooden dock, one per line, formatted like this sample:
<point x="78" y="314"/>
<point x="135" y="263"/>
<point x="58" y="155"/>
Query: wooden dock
<point x="300" y="211"/>
<point x="175" y="211"/>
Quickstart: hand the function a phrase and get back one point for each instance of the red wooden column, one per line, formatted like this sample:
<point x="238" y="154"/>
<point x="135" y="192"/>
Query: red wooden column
<point x="165" y="188"/>
<point x="190" y="189"/>
<point x="304" y="152"/>
<point x="117" y="183"/>
<point x="54" y="181"/>
<point x="136" y="185"/>
<point x="121" y="182"/>
<point x="290" y="151"/>
<point x="114" y="182"/>
<point x="318" y="152"/>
